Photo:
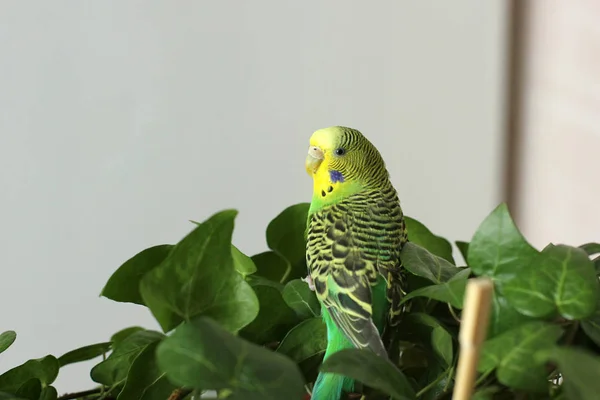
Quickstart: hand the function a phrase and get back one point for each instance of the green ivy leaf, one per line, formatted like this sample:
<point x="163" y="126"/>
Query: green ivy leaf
<point x="124" y="284"/>
<point x="272" y="266"/>
<point x="419" y="234"/>
<point x="512" y="354"/>
<point x="9" y="396"/>
<point x="123" y="334"/>
<point x="84" y="353"/>
<point x="372" y="370"/>
<point x="498" y="250"/>
<point x="45" y="369"/>
<point x="305" y="340"/>
<point x="31" y="389"/>
<point x="49" y="393"/>
<point x="242" y="263"/>
<point x="452" y="291"/>
<point x="310" y="368"/>
<point x="442" y="344"/>
<point x="486" y="393"/>
<point x="416" y="355"/>
<point x="561" y="278"/>
<point x="286" y="236"/>
<point x="503" y="316"/>
<point x="440" y="338"/>
<point x="301" y="299"/>
<point x="580" y="371"/>
<point x="591" y="325"/>
<point x="202" y="355"/>
<point x="256" y="280"/>
<point x="590" y="248"/>
<point x="440" y="380"/>
<point x="198" y="278"/>
<point x="113" y="371"/>
<point x="7" y="339"/>
<point x="421" y="262"/>
<point x="274" y="318"/>
<point x="145" y="381"/>
<point x="463" y="247"/>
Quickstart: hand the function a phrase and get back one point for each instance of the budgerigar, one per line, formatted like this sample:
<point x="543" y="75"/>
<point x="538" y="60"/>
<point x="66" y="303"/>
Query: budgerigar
<point x="355" y="232"/>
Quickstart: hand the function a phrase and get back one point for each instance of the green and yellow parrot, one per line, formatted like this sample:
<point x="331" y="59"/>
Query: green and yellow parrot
<point x="355" y="231"/>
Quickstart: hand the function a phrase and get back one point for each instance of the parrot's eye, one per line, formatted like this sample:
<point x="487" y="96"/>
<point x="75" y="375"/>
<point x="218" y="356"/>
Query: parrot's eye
<point x="340" y="152"/>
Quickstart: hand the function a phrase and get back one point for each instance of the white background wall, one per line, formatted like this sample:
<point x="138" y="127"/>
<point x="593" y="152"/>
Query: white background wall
<point x="119" y="121"/>
<point x="558" y="191"/>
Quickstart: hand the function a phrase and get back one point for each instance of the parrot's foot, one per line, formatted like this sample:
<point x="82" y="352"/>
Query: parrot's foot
<point x="309" y="281"/>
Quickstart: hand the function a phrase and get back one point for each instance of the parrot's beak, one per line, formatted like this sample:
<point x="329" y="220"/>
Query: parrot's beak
<point x="313" y="159"/>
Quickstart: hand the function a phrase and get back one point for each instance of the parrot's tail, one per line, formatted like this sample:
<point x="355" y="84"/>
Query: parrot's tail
<point x="329" y="386"/>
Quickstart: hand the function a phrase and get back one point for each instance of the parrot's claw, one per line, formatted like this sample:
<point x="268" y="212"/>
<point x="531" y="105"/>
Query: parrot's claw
<point x="309" y="281"/>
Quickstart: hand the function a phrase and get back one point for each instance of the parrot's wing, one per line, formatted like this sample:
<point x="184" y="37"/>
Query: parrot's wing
<point x="388" y="217"/>
<point x="344" y="285"/>
<point x="358" y="327"/>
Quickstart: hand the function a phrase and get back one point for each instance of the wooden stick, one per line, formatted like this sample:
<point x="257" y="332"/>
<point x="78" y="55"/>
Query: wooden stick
<point x="473" y="331"/>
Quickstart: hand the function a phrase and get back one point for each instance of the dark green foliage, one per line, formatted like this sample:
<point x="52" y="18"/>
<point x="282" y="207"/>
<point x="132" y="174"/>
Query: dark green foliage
<point x="198" y="277"/>
<point x="561" y="280"/>
<point x="513" y="352"/>
<point x="113" y="371"/>
<point x="123" y="334"/>
<point x="451" y="291"/>
<point x="31" y="389"/>
<point x="145" y="380"/>
<point x="124" y="283"/>
<point x="203" y="355"/>
<point x="424" y="263"/>
<point x="419" y="234"/>
<point x="498" y="250"/>
<point x="301" y="299"/>
<point x="249" y="327"/>
<point x="84" y="353"/>
<point x="272" y="266"/>
<point x="305" y="340"/>
<point x="43" y="370"/>
<point x="286" y="237"/>
<point x="274" y="319"/>
<point x="7" y="339"/>
<point x="368" y="368"/>
<point x="579" y="368"/>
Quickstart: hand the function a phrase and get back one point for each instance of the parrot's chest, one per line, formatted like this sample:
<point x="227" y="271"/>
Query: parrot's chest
<point x="355" y="235"/>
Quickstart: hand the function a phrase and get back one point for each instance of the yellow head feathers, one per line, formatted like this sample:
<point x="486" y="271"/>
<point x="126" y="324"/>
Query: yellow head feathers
<point x="341" y="161"/>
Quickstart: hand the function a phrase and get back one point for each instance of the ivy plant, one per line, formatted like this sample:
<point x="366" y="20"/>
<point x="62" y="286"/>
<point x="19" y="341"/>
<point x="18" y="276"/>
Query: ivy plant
<point x="248" y="327"/>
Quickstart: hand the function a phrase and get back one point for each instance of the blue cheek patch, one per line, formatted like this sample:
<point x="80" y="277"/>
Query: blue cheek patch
<point x="336" y="176"/>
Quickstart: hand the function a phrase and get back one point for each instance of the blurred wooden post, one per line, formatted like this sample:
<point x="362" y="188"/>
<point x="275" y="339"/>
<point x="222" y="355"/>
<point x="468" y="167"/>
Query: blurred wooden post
<point x="473" y="330"/>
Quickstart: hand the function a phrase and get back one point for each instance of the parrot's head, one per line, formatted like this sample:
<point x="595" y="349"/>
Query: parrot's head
<point x="341" y="160"/>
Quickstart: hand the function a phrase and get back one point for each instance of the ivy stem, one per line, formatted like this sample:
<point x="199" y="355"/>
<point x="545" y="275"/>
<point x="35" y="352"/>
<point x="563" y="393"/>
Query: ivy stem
<point x="450" y="373"/>
<point x="483" y="377"/>
<point x="453" y="313"/>
<point x="431" y="385"/>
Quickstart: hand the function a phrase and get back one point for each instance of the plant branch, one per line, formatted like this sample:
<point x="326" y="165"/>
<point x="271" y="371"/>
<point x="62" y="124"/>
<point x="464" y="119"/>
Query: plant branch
<point x="77" y="395"/>
<point x="179" y="393"/>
